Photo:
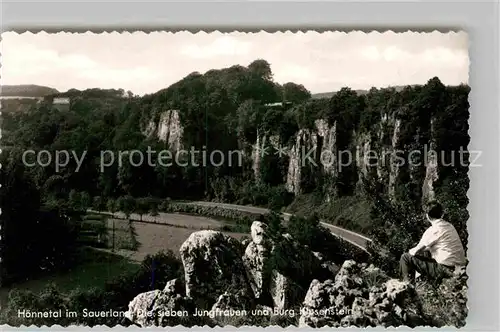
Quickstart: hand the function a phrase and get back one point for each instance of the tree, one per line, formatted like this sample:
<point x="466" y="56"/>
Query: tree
<point x="112" y="205"/>
<point x="85" y="201"/>
<point x="273" y="221"/>
<point x="34" y="238"/>
<point x="75" y="200"/>
<point x="261" y="68"/>
<point x="295" y="93"/>
<point x="98" y="203"/>
<point x="127" y="205"/>
<point x="165" y="204"/>
<point x="142" y="206"/>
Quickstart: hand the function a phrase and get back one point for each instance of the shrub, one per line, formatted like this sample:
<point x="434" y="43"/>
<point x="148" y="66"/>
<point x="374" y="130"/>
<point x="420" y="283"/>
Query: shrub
<point x="154" y="272"/>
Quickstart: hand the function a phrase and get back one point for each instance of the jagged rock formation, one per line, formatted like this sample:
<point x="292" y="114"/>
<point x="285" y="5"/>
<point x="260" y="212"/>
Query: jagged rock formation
<point x="169" y="307"/>
<point x="218" y="258"/>
<point x="431" y="171"/>
<point x="319" y="143"/>
<point x="275" y="274"/>
<point x="361" y="296"/>
<point x="168" y="129"/>
<point x="381" y="141"/>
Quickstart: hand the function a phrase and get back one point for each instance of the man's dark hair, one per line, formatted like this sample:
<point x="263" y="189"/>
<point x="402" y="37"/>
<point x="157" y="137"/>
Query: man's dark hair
<point x="435" y="210"/>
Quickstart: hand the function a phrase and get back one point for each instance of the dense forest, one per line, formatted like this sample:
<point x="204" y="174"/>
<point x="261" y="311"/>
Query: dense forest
<point x="236" y="108"/>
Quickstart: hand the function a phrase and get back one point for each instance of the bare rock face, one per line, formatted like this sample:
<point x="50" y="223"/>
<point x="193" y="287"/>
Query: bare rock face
<point x="231" y="309"/>
<point x="256" y="259"/>
<point x="285" y="292"/>
<point x="139" y="306"/>
<point x="212" y="264"/>
<point x="162" y="308"/>
<point x="259" y="233"/>
<point x="278" y="273"/>
<point x="361" y="296"/>
<point x="258" y="267"/>
<point x="295" y="260"/>
<point x="279" y="270"/>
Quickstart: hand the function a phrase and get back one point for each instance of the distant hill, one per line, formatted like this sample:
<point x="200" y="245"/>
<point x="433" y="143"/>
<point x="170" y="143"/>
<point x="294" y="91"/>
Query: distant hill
<point x="359" y="92"/>
<point x="26" y="90"/>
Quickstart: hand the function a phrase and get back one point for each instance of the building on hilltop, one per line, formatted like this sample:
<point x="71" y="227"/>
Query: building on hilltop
<point x="279" y="104"/>
<point x="61" y="103"/>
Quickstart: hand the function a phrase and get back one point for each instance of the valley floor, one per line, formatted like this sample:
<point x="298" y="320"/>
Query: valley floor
<point x="99" y="265"/>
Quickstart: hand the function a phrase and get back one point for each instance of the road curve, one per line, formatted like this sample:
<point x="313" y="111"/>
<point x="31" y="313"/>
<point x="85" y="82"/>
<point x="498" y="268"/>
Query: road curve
<point x="351" y="237"/>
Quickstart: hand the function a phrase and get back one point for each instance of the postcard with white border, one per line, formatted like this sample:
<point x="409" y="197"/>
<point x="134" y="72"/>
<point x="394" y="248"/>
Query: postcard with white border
<point x="234" y="179"/>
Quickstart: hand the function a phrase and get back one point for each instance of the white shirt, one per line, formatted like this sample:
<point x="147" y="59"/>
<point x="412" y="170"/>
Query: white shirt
<point x="444" y="244"/>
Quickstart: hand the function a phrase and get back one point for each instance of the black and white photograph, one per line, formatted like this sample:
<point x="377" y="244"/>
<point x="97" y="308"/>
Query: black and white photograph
<point x="308" y="179"/>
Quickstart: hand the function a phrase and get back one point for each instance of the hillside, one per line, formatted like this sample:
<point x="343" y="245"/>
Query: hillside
<point x="26" y="90"/>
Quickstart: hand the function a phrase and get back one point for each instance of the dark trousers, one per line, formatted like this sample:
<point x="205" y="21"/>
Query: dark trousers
<point x="425" y="265"/>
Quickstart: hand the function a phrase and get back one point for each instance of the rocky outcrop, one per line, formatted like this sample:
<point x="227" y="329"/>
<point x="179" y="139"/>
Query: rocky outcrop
<point x="212" y="262"/>
<point x="278" y="276"/>
<point x="394" y="167"/>
<point x="307" y="143"/>
<point x="431" y="170"/>
<point x="168" y="307"/>
<point x="257" y="260"/>
<point x="278" y="268"/>
<point x="170" y="129"/>
<point x="328" y="155"/>
<point x="361" y="296"/>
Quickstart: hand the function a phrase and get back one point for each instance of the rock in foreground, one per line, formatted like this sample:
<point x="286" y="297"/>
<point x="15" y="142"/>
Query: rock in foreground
<point x="212" y="264"/>
<point x="361" y="296"/>
<point x="280" y="275"/>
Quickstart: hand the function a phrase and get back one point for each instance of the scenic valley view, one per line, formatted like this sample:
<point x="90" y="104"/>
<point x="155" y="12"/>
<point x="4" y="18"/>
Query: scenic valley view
<point x="259" y="179"/>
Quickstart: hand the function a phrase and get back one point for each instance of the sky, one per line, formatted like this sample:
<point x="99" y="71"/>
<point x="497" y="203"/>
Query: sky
<point x="145" y="63"/>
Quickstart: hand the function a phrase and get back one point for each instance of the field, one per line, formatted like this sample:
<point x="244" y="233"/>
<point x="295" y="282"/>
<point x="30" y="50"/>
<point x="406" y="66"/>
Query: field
<point x="120" y="234"/>
<point x="168" y="232"/>
<point x="152" y="238"/>
<point x="132" y="242"/>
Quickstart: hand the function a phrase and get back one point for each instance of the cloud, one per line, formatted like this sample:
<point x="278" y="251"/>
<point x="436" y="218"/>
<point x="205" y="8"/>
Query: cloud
<point x="145" y="63"/>
<point x="293" y="73"/>
<point x="435" y="55"/>
<point x="222" y="46"/>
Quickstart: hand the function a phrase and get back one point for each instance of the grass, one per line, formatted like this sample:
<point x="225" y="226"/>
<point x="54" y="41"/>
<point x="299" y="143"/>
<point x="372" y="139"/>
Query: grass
<point x="94" y="269"/>
<point x="153" y="238"/>
<point x="124" y="234"/>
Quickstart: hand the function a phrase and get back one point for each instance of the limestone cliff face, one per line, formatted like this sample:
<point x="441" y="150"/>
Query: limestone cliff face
<point x="394" y="167"/>
<point x="168" y="129"/>
<point x="375" y="149"/>
<point x="305" y="141"/>
<point x="431" y="171"/>
<point x="323" y="139"/>
<point x="320" y="144"/>
<point x="265" y="144"/>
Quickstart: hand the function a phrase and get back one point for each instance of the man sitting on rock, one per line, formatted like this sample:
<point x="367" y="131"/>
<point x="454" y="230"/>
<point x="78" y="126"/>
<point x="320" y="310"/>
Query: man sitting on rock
<point x="442" y="243"/>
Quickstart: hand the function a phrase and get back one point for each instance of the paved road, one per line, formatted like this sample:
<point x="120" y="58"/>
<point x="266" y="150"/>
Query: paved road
<point x="165" y="218"/>
<point x="352" y="237"/>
